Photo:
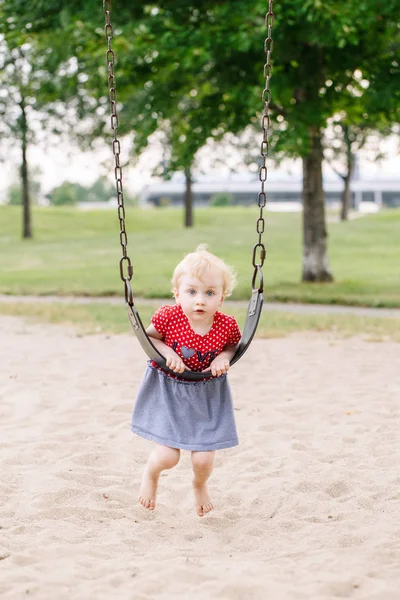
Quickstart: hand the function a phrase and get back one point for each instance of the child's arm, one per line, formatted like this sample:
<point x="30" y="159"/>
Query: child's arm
<point x="173" y="360"/>
<point x="221" y="363"/>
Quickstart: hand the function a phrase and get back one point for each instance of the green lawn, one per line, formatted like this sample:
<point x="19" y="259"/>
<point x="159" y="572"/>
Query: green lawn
<point x="103" y="318"/>
<point x="77" y="252"/>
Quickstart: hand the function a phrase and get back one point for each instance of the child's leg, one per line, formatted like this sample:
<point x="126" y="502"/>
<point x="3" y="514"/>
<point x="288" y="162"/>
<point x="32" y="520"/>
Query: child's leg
<point x="160" y="459"/>
<point x="203" y="464"/>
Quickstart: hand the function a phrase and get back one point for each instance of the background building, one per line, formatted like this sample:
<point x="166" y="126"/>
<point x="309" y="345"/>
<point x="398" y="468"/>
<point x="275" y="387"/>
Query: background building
<point x="285" y="194"/>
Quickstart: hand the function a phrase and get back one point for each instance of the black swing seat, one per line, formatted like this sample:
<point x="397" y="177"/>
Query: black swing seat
<point x="253" y="316"/>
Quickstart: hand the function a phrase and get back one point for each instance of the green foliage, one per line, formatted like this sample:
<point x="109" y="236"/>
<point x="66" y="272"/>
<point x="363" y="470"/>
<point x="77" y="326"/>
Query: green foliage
<point x="65" y="194"/>
<point x="42" y="89"/>
<point x="15" y="193"/>
<point x="100" y="191"/>
<point x="15" y="196"/>
<point x="222" y="199"/>
<point x="194" y="70"/>
<point x="40" y="82"/>
<point x="69" y="193"/>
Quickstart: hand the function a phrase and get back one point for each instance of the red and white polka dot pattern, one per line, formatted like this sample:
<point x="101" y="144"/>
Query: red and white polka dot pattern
<point x="197" y="351"/>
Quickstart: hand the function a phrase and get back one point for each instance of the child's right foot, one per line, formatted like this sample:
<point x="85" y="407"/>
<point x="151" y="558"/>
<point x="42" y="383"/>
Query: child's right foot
<point x="202" y="498"/>
<point x="148" y="490"/>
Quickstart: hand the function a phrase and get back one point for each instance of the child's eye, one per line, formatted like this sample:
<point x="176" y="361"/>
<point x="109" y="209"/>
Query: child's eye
<point x="192" y="292"/>
<point x="210" y="293"/>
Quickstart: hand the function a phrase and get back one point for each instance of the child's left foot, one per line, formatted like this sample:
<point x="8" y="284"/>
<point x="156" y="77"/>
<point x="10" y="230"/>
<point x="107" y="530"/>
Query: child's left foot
<point x="203" y="500"/>
<point x="148" y="490"/>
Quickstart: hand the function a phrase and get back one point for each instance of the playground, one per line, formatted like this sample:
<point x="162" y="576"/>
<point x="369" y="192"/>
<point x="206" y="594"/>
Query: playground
<point x="305" y="507"/>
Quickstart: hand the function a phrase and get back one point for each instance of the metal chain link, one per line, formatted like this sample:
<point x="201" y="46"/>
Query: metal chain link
<point x="125" y="261"/>
<point x="265" y="124"/>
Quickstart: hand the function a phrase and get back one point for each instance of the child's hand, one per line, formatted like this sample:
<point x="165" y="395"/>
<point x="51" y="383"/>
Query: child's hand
<point x="174" y="362"/>
<point x="219" y="366"/>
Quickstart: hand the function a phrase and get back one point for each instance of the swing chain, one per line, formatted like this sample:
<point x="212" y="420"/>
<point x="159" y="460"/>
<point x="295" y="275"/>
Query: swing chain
<point x="265" y="124"/>
<point x="125" y="261"/>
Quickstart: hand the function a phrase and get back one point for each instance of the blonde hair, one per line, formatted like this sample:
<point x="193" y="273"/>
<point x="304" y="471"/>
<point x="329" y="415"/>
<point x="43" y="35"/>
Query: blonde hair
<point x="199" y="262"/>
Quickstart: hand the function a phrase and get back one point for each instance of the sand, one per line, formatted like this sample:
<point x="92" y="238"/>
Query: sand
<point x="307" y="507"/>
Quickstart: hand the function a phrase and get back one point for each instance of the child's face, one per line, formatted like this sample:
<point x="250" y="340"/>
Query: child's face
<point x="200" y="298"/>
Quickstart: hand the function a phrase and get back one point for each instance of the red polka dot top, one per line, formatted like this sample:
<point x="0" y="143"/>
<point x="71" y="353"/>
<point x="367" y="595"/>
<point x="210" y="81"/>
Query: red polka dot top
<point x="197" y="351"/>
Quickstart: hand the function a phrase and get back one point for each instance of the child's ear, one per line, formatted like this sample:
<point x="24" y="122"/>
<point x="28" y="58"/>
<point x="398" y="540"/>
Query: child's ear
<point x="222" y="299"/>
<point x="176" y="295"/>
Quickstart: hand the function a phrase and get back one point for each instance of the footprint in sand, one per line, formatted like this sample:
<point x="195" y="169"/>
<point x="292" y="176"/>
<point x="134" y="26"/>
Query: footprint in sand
<point x="338" y="489"/>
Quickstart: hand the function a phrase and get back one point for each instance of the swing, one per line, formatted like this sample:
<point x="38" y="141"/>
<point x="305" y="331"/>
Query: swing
<point x="126" y="270"/>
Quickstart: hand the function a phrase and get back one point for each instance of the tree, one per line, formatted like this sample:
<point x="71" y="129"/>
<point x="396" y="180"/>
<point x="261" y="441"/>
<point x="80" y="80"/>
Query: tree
<point x="69" y="193"/>
<point x="15" y="69"/>
<point x="41" y="92"/>
<point x="197" y="67"/>
<point x="15" y="192"/>
<point x="347" y="140"/>
<point x="201" y="63"/>
<point x="66" y="194"/>
<point x="100" y="191"/>
<point x="366" y="113"/>
<point x="319" y="60"/>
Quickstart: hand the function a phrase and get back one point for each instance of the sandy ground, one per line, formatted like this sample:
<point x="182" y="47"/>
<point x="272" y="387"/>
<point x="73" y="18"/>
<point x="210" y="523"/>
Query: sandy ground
<point x="307" y="507"/>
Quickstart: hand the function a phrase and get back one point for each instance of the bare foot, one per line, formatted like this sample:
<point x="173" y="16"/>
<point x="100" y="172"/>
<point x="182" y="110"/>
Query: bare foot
<point x="148" y="490"/>
<point x="203" y="500"/>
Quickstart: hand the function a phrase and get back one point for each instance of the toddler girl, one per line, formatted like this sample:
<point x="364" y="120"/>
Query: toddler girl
<point x="176" y="413"/>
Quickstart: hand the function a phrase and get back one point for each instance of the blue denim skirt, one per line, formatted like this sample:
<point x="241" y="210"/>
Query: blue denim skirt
<point x="191" y="415"/>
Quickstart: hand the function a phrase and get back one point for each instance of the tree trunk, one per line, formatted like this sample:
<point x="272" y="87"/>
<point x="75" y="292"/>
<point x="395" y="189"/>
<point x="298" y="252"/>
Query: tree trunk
<point x="346" y="194"/>
<point x="26" y="223"/>
<point x="345" y="199"/>
<point x="188" y="198"/>
<point x="315" y="252"/>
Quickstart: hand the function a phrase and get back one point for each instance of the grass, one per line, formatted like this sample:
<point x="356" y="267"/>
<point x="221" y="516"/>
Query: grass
<point x="105" y="318"/>
<point x="77" y="253"/>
